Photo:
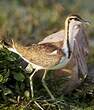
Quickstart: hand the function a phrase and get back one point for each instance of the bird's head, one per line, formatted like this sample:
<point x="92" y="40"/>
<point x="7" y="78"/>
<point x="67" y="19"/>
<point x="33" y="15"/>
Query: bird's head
<point x="9" y="44"/>
<point x="73" y="24"/>
<point x="75" y="21"/>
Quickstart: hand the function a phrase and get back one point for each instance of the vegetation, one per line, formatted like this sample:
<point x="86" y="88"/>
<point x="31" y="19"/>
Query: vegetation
<point x="29" y="21"/>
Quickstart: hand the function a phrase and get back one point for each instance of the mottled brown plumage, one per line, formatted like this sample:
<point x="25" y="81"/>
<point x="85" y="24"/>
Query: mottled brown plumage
<point x="41" y="55"/>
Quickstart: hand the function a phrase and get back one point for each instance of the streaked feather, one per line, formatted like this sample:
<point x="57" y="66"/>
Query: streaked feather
<point x="81" y="47"/>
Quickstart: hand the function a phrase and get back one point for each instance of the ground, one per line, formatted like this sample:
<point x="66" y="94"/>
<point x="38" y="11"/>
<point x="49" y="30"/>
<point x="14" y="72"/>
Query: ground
<point x="15" y="89"/>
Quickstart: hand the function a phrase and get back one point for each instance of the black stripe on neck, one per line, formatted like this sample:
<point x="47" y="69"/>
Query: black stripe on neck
<point x="68" y="45"/>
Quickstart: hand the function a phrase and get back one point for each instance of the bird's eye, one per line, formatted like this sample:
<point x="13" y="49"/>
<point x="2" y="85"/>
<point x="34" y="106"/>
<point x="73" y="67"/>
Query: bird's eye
<point x="71" y="18"/>
<point x="6" y="44"/>
<point x="76" y="19"/>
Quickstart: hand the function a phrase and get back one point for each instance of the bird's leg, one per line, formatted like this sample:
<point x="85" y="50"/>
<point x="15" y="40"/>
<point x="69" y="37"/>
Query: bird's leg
<point x="31" y="82"/>
<point x="32" y="92"/>
<point x="45" y="86"/>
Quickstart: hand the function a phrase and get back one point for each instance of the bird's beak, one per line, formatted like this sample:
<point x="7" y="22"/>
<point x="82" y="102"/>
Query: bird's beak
<point x="86" y="22"/>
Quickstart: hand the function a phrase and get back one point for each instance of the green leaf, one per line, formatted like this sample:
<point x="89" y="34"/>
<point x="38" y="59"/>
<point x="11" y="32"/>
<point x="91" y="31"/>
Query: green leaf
<point x="27" y="94"/>
<point x="19" y="76"/>
<point x="11" y="58"/>
<point x="1" y="78"/>
<point x="7" y="91"/>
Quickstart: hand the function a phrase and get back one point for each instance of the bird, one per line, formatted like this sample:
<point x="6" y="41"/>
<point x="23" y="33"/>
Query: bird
<point x="78" y="62"/>
<point x="48" y="56"/>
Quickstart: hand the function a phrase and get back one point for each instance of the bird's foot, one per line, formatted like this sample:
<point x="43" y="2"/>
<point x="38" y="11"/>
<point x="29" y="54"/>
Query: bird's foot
<point x="35" y="101"/>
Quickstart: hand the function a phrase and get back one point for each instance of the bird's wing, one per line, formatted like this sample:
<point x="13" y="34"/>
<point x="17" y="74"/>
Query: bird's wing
<point x="45" y="55"/>
<point x="82" y="39"/>
<point x="56" y="37"/>
<point x="81" y="48"/>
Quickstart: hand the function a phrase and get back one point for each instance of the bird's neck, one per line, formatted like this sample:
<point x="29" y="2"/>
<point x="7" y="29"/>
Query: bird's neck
<point x="21" y="50"/>
<point x="68" y="40"/>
